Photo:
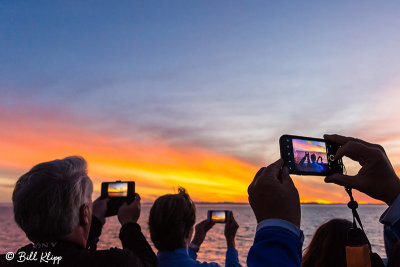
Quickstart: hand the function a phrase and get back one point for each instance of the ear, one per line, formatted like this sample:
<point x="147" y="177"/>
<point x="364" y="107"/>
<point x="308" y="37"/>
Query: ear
<point x="84" y="215"/>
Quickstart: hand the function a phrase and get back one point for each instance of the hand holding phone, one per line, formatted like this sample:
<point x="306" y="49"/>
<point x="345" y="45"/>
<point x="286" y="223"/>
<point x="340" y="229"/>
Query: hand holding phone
<point x="201" y="231"/>
<point x="230" y="231"/>
<point x="129" y="212"/>
<point x="100" y="209"/>
<point x="376" y="178"/>
<point x="272" y="194"/>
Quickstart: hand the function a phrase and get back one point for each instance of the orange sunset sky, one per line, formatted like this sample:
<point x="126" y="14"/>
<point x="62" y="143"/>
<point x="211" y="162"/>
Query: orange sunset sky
<point x="156" y="166"/>
<point x="187" y="95"/>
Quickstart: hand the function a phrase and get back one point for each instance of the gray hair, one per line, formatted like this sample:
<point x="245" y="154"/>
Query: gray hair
<point x="47" y="199"/>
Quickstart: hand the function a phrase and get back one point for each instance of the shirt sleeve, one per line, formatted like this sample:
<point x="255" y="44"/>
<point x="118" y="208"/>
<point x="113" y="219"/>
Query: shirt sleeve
<point x="391" y="221"/>
<point x="281" y="223"/>
<point x="277" y="243"/>
<point x="232" y="258"/>
<point x="132" y="238"/>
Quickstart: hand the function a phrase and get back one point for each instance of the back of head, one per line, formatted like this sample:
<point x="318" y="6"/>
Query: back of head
<point x="171" y="220"/>
<point x="328" y="245"/>
<point x="47" y="199"/>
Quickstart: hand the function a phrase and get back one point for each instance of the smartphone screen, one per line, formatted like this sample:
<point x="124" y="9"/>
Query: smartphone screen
<point x="309" y="156"/>
<point x="217" y="216"/>
<point x="117" y="189"/>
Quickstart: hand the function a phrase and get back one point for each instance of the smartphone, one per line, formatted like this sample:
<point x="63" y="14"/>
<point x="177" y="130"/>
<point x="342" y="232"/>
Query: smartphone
<point x="118" y="192"/>
<point x="309" y="156"/>
<point x="218" y="216"/>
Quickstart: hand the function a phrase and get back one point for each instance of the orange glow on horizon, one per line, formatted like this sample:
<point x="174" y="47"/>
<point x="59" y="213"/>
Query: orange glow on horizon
<point x="156" y="167"/>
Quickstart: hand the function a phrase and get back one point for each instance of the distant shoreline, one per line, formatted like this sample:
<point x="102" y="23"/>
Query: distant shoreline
<point x="9" y="204"/>
<point x="302" y="203"/>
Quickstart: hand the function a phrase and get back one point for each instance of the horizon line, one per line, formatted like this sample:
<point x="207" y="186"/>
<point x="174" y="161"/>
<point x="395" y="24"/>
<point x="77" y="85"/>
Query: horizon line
<point x="246" y="203"/>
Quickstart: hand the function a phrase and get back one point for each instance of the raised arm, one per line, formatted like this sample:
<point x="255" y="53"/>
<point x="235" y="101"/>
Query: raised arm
<point x="231" y="227"/>
<point x="98" y="220"/>
<point x="200" y="234"/>
<point x="276" y="205"/>
<point x="131" y="235"/>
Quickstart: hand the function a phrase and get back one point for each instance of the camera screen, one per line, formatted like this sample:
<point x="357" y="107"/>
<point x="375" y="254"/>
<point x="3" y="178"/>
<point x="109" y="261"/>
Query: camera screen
<point x="118" y="189"/>
<point x="310" y="156"/>
<point x="218" y="216"/>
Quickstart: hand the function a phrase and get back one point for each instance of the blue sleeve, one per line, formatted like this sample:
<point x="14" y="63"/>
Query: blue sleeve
<point x="391" y="220"/>
<point x="390" y="240"/>
<point x="275" y="246"/>
<point x="232" y="258"/>
<point x="192" y="254"/>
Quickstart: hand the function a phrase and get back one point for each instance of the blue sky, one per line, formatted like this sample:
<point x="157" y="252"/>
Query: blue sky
<point x="228" y="76"/>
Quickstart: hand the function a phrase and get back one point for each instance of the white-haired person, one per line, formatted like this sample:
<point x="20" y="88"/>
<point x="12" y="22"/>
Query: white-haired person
<point x="53" y="206"/>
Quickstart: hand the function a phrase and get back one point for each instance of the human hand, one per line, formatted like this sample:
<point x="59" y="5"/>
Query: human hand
<point x="231" y="228"/>
<point x="100" y="208"/>
<point x="272" y="194"/>
<point x="201" y="230"/>
<point x="129" y="213"/>
<point x="376" y="177"/>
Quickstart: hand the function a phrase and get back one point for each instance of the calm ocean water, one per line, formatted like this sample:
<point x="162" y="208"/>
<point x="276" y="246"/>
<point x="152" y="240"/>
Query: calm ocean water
<point x="214" y="246"/>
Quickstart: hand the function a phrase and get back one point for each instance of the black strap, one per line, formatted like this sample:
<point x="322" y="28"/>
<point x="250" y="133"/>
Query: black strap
<point x="353" y="205"/>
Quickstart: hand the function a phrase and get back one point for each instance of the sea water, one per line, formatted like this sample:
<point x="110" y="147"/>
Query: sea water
<point x="214" y="246"/>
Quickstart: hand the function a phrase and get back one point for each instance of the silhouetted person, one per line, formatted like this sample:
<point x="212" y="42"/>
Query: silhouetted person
<point x="328" y="245"/>
<point x="171" y="222"/>
<point x="276" y="204"/>
<point x="53" y="206"/>
<point x="306" y="156"/>
<point x="320" y="158"/>
<point x="312" y="165"/>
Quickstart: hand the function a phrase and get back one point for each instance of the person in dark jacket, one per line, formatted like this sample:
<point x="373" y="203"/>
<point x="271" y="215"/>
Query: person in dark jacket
<point x="53" y="206"/>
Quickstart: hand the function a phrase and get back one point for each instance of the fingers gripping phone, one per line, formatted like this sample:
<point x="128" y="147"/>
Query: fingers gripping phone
<point x="218" y="216"/>
<point x="118" y="192"/>
<point x="309" y="156"/>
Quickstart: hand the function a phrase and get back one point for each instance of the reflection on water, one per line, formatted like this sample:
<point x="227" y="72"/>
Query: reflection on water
<point x="214" y="246"/>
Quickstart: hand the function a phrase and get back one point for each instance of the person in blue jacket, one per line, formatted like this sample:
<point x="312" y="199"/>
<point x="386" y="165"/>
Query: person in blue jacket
<point x="276" y="205"/>
<point x="171" y="222"/>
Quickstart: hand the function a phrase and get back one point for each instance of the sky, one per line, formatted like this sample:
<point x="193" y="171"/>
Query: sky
<point x="193" y="93"/>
